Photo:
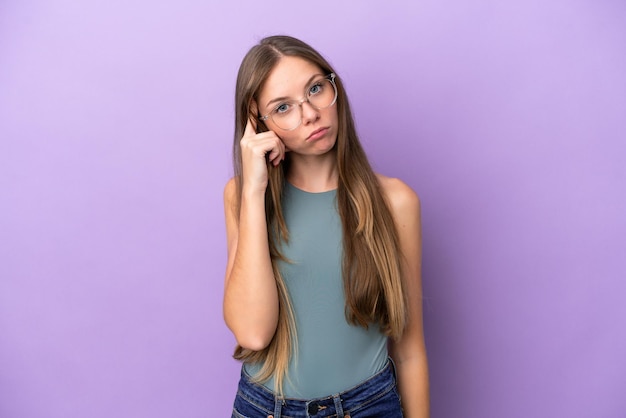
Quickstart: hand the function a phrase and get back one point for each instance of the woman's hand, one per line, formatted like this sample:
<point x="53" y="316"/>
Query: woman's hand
<point x="257" y="149"/>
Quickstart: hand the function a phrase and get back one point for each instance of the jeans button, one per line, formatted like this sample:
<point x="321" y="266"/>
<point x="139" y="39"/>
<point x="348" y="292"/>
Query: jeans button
<point x="313" y="408"/>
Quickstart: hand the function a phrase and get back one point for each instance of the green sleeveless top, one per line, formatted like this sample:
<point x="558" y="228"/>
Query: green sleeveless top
<point x="331" y="355"/>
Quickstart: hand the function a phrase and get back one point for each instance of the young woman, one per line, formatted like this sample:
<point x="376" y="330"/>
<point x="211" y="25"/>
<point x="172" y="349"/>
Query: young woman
<point x="322" y="287"/>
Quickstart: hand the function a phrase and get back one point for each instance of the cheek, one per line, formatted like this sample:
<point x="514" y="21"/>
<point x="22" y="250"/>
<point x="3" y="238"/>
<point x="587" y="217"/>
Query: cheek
<point x="288" y="137"/>
<point x="332" y="115"/>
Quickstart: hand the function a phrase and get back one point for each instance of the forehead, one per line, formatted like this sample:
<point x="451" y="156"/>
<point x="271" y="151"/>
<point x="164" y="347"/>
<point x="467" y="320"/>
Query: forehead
<point x="288" y="78"/>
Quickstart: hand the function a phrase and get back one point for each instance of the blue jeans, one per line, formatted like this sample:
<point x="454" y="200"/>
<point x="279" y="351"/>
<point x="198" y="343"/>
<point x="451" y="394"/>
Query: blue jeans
<point x="375" y="397"/>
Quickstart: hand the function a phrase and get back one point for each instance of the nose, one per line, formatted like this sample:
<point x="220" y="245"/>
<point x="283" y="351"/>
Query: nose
<point x="309" y="113"/>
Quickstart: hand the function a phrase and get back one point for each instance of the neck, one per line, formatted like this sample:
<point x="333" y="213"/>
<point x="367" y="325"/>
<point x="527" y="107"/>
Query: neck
<point x="313" y="174"/>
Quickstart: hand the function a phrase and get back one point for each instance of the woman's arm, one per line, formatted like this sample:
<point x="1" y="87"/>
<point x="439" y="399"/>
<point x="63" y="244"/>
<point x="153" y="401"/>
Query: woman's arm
<point x="250" y="293"/>
<point x="409" y="352"/>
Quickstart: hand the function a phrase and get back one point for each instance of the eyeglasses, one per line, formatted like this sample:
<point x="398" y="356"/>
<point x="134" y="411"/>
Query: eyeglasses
<point x="320" y="94"/>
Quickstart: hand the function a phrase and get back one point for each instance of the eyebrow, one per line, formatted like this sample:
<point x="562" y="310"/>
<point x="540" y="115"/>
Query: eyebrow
<point x="280" y="99"/>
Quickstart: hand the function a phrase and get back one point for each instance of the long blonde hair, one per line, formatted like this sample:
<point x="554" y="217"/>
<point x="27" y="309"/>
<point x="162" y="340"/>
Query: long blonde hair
<point x="372" y="276"/>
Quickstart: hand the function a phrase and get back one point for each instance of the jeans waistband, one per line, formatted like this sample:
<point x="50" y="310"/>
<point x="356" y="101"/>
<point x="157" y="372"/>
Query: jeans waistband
<point x="372" y="388"/>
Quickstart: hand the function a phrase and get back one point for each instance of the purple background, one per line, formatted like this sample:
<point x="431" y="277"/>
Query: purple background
<point x="508" y="119"/>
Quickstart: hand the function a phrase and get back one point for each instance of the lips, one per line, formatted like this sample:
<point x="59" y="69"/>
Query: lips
<point x="316" y="134"/>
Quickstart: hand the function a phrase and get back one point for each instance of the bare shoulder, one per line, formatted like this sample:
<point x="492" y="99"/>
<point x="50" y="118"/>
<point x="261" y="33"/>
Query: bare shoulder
<point x="230" y="196"/>
<point x="230" y="189"/>
<point x="402" y="199"/>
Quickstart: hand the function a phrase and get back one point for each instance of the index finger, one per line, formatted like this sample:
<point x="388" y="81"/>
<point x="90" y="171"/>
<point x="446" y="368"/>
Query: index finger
<point x="250" y="129"/>
<point x="253" y="112"/>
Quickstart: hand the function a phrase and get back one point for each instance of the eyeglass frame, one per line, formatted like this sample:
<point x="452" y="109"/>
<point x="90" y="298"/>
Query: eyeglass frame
<point x="330" y="77"/>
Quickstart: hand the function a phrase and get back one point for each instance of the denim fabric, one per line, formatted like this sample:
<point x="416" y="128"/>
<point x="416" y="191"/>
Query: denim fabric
<point x="375" y="397"/>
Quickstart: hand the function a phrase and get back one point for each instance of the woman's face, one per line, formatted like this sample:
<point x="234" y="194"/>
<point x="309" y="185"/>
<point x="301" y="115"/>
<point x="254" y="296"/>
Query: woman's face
<point x="292" y="79"/>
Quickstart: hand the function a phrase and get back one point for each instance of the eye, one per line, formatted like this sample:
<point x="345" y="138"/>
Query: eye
<point x="283" y="108"/>
<point x="315" y="88"/>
